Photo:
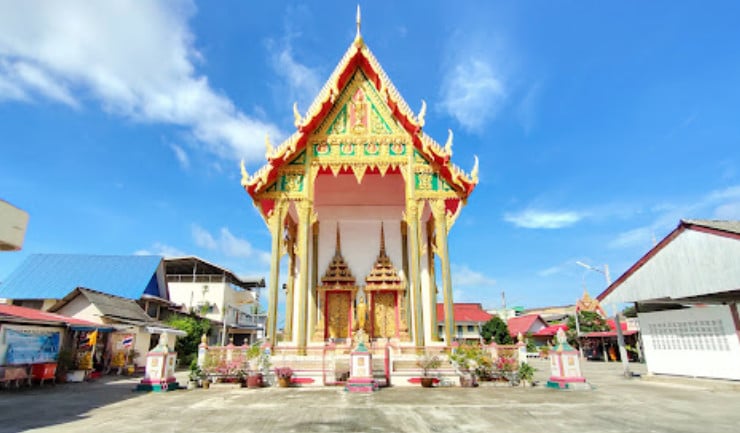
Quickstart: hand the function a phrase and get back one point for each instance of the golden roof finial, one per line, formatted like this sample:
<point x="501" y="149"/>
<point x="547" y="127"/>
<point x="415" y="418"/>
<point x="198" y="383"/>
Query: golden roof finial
<point x="296" y="116"/>
<point x="422" y="112"/>
<point x="474" y="173"/>
<point x="245" y="175"/>
<point x="448" y="144"/>
<point x="358" y="36"/>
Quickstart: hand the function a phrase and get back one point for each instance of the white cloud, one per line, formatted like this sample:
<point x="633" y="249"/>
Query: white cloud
<point x="718" y="204"/>
<point x="527" y="110"/>
<point x="203" y="238"/>
<point x="533" y="219"/>
<point x="303" y="83"/>
<point x="463" y="276"/>
<point x="473" y="92"/>
<point x="135" y="57"/>
<point x="160" y="249"/>
<point x="181" y="155"/>
<point x="228" y="244"/>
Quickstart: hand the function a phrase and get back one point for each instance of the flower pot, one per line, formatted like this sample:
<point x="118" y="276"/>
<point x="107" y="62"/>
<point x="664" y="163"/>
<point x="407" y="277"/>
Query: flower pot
<point x="254" y="381"/>
<point x="468" y="382"/>
<point x="206" y="384"/>
<point x="427" y="382"/>
<point x="283" y="382"/>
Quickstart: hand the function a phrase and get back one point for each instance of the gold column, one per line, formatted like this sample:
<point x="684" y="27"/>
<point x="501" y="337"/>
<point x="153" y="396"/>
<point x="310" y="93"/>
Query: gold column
<point x="290" y="249"/>
<point x="275" y="222"/>
<point x="432" y="282"/>
<point x="304" y="235"/>
<point x="405" y="264"/>
<point x="412" y="219"/>
<point x="314" y="276"/>
<point x="440" y="223"/>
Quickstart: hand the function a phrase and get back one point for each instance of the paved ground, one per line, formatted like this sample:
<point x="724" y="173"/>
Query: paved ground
<point x="614" y="405"/>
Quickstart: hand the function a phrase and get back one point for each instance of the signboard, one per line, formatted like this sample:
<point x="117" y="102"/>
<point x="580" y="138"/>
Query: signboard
<point x="30" y="347"/>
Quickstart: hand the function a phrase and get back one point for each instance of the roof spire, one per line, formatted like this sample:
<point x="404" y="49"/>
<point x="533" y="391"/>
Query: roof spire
<point x="358" y="36"/>
<point x="338" y="248"/>
<point x="382" y="240"/>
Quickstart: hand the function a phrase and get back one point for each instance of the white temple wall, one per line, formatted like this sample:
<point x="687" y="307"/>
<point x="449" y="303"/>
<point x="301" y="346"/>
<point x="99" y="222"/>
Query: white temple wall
<point x="360" y="237"/>
<point x="426" y="288"/>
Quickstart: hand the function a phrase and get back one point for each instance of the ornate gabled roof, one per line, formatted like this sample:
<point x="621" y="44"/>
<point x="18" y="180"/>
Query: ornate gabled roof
<point x="359" y="57"/>
<point x="383" y="276"/>
<point x="338" y="272"/>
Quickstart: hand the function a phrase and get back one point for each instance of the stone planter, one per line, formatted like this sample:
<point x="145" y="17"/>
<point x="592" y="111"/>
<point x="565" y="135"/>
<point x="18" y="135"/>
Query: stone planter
<point x="468" y="382"/>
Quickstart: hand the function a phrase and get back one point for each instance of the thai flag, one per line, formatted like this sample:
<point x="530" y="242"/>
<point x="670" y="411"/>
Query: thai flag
<point x="128" y="341"/>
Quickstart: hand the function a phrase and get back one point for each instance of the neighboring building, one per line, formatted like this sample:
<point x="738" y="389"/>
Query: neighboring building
<point x="507" y="313"/>
<point x="469" y="319"/>
<point x="530" y="324"/>
<point x="687" y="291"/>
<point x="552" y="314"/>
<point x="124" y="315"/>
<point x="359" y="162"/>
<point x="29" y="336"/>
<point x="13" y="224"/>
<point x="43" y="279"/>
<point x="216" y="293"/>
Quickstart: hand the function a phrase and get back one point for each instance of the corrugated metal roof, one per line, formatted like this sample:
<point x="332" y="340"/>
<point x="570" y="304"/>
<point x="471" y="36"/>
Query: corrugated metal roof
<point x="723" y="225"/>
<point x="53" y="276"/>
<point x="41" y="316"/>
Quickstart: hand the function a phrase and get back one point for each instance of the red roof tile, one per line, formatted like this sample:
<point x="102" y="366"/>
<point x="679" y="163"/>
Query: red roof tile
<point x="522" y="324"/>
<point x="38" y="315"/>
<point x="471" y="312"/>
<point x="551" y="330"/>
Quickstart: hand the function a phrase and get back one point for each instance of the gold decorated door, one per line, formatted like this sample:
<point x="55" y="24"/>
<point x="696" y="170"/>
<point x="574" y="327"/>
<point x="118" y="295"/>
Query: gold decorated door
<point x="337" y="314"/>
<point x="384" y="314"/>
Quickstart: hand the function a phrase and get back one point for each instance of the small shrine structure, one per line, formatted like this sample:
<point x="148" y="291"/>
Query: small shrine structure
<point x="359" y="167"/>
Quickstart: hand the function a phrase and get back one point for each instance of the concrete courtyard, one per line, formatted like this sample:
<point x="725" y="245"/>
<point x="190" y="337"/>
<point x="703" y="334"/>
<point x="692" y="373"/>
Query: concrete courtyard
<point x="614" y="404"/>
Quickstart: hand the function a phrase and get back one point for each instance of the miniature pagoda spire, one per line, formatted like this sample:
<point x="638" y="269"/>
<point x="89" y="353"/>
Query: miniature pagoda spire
<point x="338" y="272"/>
<point x="338" y="246"/>
<point x="382" y="240"/>
<point x="383" y="275"/>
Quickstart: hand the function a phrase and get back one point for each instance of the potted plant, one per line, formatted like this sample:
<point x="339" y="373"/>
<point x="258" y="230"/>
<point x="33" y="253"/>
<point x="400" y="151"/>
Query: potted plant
<point x="525" y="374"/>
<point x="428" y="362"/>
<point x="506" y="368"/>
<point x="65" y="362"/>
<point x="470" y="362"/>
<point x="284" y="375"/>
<point x="195" y="375"/>
<point x="131" y="361"/>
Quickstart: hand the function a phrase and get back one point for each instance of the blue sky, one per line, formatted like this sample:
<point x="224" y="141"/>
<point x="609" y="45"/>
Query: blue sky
<point x="598" y="125"/>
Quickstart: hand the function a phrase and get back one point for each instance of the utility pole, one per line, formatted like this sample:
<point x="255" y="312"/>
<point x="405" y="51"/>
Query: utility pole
<point x="617" y="322"/>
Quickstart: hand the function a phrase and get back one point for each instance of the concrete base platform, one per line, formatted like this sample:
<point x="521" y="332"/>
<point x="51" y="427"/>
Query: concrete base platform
<point x="158" y="387"/>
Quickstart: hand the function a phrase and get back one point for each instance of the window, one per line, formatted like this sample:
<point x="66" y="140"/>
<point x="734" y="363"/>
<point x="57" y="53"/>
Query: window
<point x="471" y="328"/>
<point x="152" y="310"/>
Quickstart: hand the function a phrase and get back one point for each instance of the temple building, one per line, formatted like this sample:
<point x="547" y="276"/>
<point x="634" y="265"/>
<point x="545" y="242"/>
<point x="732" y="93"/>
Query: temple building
<point x="359" y="202"/>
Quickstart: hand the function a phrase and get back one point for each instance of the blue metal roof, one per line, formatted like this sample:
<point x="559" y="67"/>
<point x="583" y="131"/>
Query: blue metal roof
<point x="53" y="276"/>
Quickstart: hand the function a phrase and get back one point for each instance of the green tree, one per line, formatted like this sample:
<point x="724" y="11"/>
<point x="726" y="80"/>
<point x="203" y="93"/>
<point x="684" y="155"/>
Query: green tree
<point x="630" y="311"/>
<point x="187" y="346"/>
<point x="496" y="330"/>
<point x="589" y="321"/>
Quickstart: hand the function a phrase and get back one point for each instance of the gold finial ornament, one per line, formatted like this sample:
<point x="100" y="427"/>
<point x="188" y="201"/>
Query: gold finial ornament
<point x="338" y="246"/>
<point x="297" y="121"/>
<point x="269" y="150"/>
<point x="358" y="36"/>
<point x="474" y="173"/>
<point x="448" y="144"/>
<point x="422" y="112"/>
<point x="245" y="175"/>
